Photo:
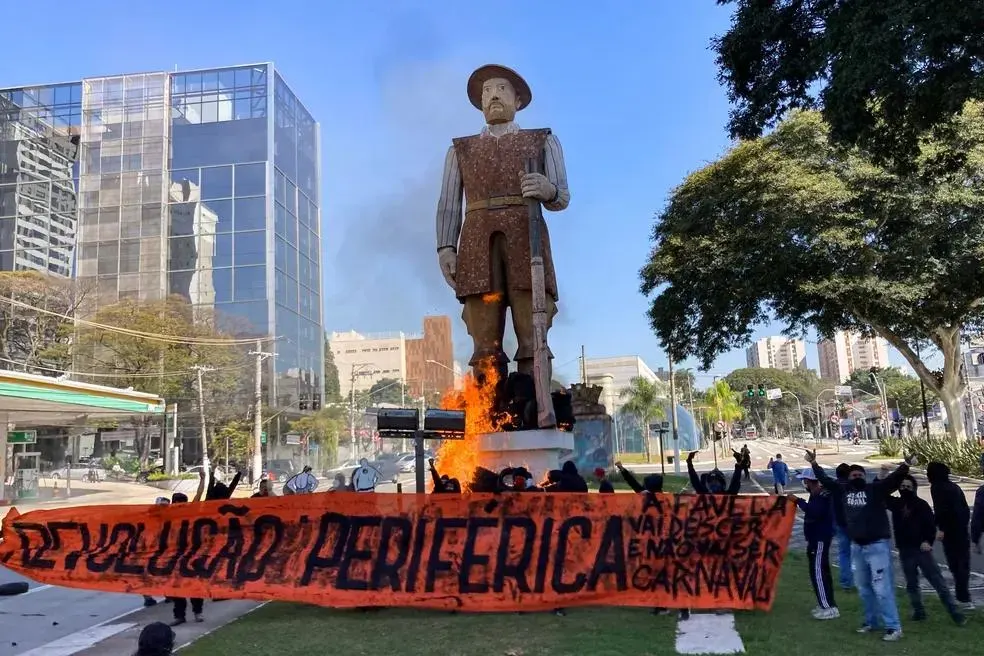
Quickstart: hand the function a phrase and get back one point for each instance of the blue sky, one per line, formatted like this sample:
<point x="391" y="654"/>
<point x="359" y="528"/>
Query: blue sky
<point x="630" y="90"/>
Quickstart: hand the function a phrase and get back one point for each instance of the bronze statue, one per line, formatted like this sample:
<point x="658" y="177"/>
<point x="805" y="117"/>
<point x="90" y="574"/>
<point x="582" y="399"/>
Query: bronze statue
<point x="484" y="241"/>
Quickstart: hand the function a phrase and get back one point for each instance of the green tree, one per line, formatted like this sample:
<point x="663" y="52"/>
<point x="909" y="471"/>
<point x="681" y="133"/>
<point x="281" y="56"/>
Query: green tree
<point x="322" y="428"/>
<point x="803" y="384"/>
<point x="234" y="438"/>
<point x="902" y="391"/>
<point x="883" y="72"/>
<point x="723" y="404"/>
<point x="333" y="393"/>
<point x="35" y="335"/>
<point x="644" y="400"/>
<point x="385" y="390"/>
<point x="790" y="227"/>
<point x="164" y="367"/>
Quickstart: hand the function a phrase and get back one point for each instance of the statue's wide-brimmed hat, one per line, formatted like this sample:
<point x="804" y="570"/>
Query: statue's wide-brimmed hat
<point x="477" y="80"/>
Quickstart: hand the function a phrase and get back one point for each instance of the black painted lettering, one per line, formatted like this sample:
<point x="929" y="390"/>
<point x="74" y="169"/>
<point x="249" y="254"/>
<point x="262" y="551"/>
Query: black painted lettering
<point x="515" y="570"/>
<point x="583" y="524"/>
<point x="386" y="573"/>
<point x="332" y="531"/>
<point x="436" y="564"/>
<point x="353" y="554"/>
<point x="472" y="560"/>
<point x="610" y="559"/>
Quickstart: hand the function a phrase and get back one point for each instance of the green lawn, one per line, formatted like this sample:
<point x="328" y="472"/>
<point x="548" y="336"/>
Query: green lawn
<point x="788" y="630"/>
<point x="671" y="482"/>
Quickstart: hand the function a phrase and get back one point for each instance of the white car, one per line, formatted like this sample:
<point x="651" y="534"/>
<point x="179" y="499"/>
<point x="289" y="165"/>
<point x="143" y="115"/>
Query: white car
<point x="407" y="464"/>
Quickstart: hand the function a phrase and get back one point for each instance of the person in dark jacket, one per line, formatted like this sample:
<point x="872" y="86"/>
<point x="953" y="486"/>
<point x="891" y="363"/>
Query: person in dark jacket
<point x="604" y="485"/>
<point x="845" y="571"/>
<point x="571" y="480"/>
<point x="521" y="478"/>
<point x="714" y="482"/>
<point x="914" y="526"/>
<point x="867" y="525"/>
<point x="953" y="524"/>
<point x="818" y="529"/>
<point x="651" y="483"/>
<point x="977" y="520"/>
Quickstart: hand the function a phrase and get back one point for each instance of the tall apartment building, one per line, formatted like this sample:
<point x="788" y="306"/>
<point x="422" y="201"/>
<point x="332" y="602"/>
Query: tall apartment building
<point x="777" y="353"/>
<point x="425" y="362"/>
<point x="847" y="352"/>
<point x="204" y="184"/>
<point x="39" y="145"/>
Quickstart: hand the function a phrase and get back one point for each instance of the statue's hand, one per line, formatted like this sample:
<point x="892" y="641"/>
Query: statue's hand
<point x="448" y="259"/>
<point x="536" y="185"/>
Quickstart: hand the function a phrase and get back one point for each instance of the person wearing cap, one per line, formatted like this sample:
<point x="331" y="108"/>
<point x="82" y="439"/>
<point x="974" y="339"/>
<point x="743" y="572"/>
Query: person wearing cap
<point x="483" y="218"/>
<point x="818" y="529"/>
<point x="914" y="525"/>
<point x="867" y="524"/>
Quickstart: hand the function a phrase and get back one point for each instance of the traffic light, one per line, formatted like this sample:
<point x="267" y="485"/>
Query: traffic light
<point x="761" y="389"/>
<point x="751" y="392"/>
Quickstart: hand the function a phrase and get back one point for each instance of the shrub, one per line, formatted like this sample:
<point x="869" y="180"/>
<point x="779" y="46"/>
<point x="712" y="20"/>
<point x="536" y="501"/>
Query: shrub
<point x="128" y="465"/>
<point x="156" y="476"/>
<point x="890" y="447"/>
<point x="963" y="458"/>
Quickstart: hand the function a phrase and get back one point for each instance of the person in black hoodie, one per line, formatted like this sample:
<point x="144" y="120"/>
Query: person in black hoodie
<point x="651" y="483"/>
<point x="713" y="482"/>
<point x="915" y="531"/>
<point x="571" y="480"/>
<point x="953" y="522"/>
<point x="818" y="529"/>
<point x="868" y="527"/>
<point x="977" y="519"/>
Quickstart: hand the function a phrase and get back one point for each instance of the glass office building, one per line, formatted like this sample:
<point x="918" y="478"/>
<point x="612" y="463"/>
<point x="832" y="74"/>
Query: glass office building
<point x="203" y="184"/>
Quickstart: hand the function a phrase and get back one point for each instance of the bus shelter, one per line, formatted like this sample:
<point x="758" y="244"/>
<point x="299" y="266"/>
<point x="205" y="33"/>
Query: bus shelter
<point x="28" y="400"/>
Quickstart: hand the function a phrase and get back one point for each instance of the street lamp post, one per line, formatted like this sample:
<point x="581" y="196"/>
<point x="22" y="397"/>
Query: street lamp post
<point x="800" y="406"/>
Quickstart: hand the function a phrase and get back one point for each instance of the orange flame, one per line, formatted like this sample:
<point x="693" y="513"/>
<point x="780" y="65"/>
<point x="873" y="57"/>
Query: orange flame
<point x="459" y="458"/>
<point x="492" y="297"/>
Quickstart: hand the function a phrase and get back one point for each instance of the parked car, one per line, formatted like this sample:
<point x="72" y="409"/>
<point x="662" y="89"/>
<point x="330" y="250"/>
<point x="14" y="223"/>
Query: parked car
<point x="279" y="470"/>
<point x="407" y="464"/>
<point x="80" y="472"/>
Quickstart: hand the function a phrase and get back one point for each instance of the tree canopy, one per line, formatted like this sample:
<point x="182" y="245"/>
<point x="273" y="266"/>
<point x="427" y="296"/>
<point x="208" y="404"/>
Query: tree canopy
<point x="902" y="390"/>
<point x="884" y="72"/>
<point x="801" y="383"/>
<point x="386" y="390"/>
<point x="333" y="393"/>
<point x="792" y="227"/>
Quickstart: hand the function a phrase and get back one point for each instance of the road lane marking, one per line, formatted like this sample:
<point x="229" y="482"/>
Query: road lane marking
<point x="80" y="640"/>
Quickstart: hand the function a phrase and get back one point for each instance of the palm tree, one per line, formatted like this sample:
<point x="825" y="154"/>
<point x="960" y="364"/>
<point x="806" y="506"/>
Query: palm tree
<point x="644" y="400"/>
<point x="723" y="404"/>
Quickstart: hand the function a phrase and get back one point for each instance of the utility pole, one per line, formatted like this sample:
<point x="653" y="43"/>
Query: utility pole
<point x="673" y="421"/>
<point x="356" y="371"/>
<point x="922" y="391"/>
<point x="199" y="370"/>
<point x="258" y="411"/>
<point x="584" y="367"/>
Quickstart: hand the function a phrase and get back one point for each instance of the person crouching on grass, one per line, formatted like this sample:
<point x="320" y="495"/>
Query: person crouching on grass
<point x="818" y="529"/>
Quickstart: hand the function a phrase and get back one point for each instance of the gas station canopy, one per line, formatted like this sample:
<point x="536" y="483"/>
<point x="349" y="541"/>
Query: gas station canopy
<point x="30" y="400"/>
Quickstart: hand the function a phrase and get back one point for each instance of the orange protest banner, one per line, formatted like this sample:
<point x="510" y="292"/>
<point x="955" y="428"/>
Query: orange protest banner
<point x="506" y="552"/>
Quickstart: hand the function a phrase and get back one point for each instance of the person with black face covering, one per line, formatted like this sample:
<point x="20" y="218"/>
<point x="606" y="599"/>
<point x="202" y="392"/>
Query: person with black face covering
<point x="571" y="480"/>
<point x="714" y="481"/>
<point x="914" y="525"/>
<point x="651" y="483"/>
<point x="867" y="525"/>
<point x="840" y="533"/>
<point x="953" y="522"/>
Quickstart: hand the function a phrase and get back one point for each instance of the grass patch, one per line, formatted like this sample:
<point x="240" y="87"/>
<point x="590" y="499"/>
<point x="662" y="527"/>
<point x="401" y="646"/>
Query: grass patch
<point x="594" y="631"/>
<point x="671" y="482"/>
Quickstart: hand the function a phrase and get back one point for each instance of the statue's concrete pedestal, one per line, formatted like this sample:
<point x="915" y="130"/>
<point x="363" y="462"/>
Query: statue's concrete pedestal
<point x="538" y="450"/>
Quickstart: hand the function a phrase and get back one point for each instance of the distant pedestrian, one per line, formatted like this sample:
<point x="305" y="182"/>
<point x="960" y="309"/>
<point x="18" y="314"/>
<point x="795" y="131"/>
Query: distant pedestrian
<point x="264" y="490"/>
<point x="780" y="474"/>
<point x="156" y="639"/>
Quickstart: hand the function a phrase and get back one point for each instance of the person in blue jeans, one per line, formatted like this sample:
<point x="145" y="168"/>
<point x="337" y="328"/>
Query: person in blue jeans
<point x="780" y="473"/>
<point x="845" y="571"/>
<point x="866" y="518"/>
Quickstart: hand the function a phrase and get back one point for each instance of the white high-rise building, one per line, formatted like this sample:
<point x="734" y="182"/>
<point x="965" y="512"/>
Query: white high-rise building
<point x="364" y="360"/>
<point x="777" y="353"/>
<point x="847" y="352"/>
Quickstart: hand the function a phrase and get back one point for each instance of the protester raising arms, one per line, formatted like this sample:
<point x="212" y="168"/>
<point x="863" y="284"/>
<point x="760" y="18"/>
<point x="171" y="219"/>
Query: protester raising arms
<point x="714" y="482"/>
<point x="868" y="527"/>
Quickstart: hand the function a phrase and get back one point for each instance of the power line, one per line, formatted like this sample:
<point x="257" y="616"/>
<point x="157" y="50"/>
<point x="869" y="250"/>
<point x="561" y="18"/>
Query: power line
<point x="121" y="374"/>
<point x="171" y="339"/>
